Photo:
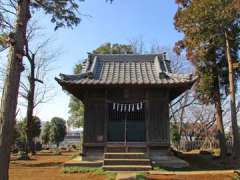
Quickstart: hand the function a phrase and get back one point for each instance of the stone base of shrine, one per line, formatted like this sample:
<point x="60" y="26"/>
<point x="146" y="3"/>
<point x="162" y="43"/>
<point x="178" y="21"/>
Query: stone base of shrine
<point x="91" y="152"/>
<point x="166" y="158"/>
<point x="164" y="161"/>
<point x="163" y="157"/>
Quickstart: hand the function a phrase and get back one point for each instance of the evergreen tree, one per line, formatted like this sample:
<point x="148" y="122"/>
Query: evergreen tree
<point x="211" y="39"/>
<point x="109" y="48"/>
<point x="76" y="111"/>
<point x="46" y="133"/>
<point x="21" y="132"/>
<point x="21" y="136"/>
<point x="33" y="132"/>
<point x="57" y="130"/>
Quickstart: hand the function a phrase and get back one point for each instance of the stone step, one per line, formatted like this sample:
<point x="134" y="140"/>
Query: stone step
<point x="127" y="167"/>
<point x="127" y="162"/>
<point x="128" y="155"/>
<point x="137" y="149"/>
<point x="126" y="149"/>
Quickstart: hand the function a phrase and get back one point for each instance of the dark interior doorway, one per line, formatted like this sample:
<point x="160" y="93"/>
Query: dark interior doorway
<point x="126" y="122"/>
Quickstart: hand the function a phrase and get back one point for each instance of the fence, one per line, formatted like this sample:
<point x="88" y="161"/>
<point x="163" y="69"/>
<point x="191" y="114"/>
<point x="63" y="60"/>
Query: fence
<point x="199" y="145"/>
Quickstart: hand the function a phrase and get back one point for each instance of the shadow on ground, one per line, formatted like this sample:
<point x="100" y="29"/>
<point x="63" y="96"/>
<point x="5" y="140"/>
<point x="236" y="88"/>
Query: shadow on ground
<point x="47" y="164"/>
<point x="202" y="162"/>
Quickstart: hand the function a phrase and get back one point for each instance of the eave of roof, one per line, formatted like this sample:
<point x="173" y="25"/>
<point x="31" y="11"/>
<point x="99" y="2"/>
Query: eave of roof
<point x="96" y="83"/>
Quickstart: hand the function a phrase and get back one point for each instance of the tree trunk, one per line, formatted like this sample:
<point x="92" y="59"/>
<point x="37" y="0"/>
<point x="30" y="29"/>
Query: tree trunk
<point x="236" y="144"/>
<point x="11" y="86"/>
<point x="219" y="120"/>
<point x="30" y="107"/>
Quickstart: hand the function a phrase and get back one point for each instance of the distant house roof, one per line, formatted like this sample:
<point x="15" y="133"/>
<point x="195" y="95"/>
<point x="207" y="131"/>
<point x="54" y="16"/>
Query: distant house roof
<point x="126" y="69"/>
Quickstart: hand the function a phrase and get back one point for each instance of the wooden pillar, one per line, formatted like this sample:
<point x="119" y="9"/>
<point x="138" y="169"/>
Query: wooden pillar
<point x="85" y="123"/>
<point x="168" y="120"/>
<point x="147" y="111"/>
<point x="106" y="121"/>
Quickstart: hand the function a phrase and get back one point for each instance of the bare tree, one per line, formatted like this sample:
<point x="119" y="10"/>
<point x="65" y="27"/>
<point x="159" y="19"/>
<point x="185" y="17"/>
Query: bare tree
<point x="36" y="90"/>
<point x="138" y="45"/>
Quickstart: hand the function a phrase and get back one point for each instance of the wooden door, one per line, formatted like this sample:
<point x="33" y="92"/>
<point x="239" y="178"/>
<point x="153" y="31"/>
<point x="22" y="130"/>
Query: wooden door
<point x="126" y="126"/>
<point x="135" y="130"/>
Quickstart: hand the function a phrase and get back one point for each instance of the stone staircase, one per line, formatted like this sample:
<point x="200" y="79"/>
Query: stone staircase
<point x="126" y="158"/>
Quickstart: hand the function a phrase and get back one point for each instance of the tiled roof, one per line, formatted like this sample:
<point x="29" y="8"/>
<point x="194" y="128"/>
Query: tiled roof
<point x="151" y="69"/>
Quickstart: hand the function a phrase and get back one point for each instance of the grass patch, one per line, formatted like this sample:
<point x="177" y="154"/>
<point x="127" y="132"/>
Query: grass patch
<point x="96" y="171"/>
<point x="111" y="175"/>
<point x="141" y="176"/>
<point x="236" y="177"/>
<point x="158" y="167"/>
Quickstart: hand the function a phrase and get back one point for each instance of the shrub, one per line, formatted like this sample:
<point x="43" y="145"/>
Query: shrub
<point x="22" y="156"/>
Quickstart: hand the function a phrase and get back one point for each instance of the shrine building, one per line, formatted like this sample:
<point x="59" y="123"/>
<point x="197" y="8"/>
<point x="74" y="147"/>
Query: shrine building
<point x="126" y="102"/>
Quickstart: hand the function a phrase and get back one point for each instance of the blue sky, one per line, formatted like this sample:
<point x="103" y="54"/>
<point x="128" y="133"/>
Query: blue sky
<point x="119" y="22"/>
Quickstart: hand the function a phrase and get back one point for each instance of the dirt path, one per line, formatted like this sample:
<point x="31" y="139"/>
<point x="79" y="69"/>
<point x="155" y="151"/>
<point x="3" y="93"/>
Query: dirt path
<point x="197" y="175"/>
<point x="46" y="166"/>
